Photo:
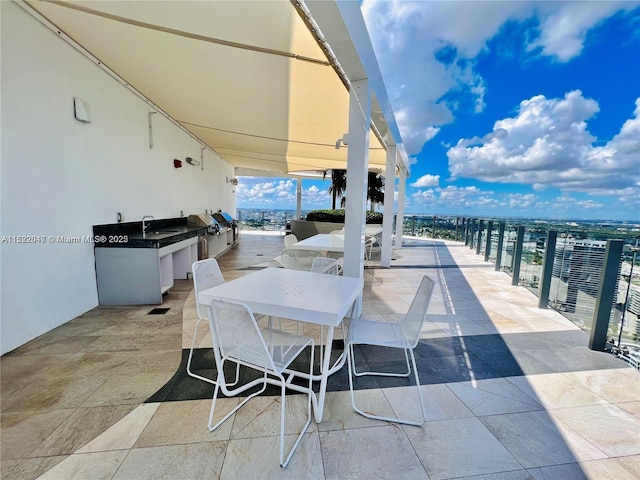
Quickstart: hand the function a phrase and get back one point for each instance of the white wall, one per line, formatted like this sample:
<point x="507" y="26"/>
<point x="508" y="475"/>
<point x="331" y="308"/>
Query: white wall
<point x="61" y="177"/>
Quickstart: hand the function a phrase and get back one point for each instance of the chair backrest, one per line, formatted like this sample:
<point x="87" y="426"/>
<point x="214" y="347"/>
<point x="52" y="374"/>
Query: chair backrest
<point x="206" y="274"/>
<point x="237" y="335"/>
<point x="289" y="240"/>
<point x="417" y="314"/>
<point x="297" y="259"/>
<point x="325" y="265"/>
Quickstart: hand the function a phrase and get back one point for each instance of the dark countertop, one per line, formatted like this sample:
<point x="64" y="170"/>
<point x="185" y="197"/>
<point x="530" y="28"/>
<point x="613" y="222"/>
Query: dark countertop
<point x="160" y="233"/>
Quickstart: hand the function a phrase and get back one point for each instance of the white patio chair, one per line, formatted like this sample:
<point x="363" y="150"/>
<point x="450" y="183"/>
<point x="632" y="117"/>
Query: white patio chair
<point x="325" y="265"/>
<point x="238" y="339"/>
<point x="276" y="262"/>
<point x="404" y="335"/>
<point x="299" y="259"/>
<point x="206" y="274"/>
<point x="371" y="244"/>
<point x="289" y="240"/>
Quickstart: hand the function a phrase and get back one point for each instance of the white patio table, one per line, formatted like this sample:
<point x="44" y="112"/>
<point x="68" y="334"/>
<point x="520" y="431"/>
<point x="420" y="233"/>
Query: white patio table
<point x="324" y="242"/>
<point x="299" y="295"/>
<point x="331" y="242"/>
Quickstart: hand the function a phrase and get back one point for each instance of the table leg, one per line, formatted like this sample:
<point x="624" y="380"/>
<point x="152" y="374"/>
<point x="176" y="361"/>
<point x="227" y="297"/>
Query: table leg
<point x="324" y="374"/>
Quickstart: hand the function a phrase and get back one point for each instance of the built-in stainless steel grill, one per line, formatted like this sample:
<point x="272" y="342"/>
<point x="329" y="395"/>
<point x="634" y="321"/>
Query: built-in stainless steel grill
<point x="227" y="221"/>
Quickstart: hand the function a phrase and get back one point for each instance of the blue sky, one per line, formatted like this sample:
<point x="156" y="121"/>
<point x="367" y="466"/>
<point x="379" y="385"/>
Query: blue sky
<point x="506" y="108"/>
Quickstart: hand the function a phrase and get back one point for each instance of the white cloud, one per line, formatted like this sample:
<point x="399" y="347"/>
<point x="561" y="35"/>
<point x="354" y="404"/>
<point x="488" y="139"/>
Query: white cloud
<point x="566" y="202"/>
<point x="313" y="197"/>
<point x="484" y="203"/>
<point x="548" y="144"/>
<point x="424" y="197"/>
<point x="267" y="192"/>
<point x="522" y="200"/>
<point x="415" y="78"/>
<point x="428" y="48"/>
<point x="253" y="192"/>
<point x="476" y="201"/>
<point x="564" y="25"/>
<point x="427" y="181"/>
<point x="457" y="195"/>
<point x="452" y="197"/>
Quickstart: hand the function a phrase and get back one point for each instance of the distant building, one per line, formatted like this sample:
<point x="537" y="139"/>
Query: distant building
<point x="634" y="302"/>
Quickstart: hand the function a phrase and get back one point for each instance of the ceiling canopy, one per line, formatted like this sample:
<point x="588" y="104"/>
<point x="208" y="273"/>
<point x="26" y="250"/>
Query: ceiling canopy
<point x="247" y="78"/>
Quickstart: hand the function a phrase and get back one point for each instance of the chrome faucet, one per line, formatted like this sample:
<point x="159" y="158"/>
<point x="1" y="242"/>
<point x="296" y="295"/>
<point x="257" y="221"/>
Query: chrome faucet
<point x="144" y="226"/>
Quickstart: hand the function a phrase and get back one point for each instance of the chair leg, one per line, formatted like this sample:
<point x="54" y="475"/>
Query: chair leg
<point x="285" y="462"/>
<point x="283" y="395"/>
<point x="220" y="381"/>
<point x="193" y="343"/>
<point x="418" y="386"/>
<point x="351" y="366"/>
<point x="200" y="377"/>
<point x="321" y="344"/>
<point x="236" y="408"/>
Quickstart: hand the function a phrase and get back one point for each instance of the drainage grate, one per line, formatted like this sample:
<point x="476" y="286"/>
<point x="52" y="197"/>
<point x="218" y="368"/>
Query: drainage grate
<point x="158" y="311"/>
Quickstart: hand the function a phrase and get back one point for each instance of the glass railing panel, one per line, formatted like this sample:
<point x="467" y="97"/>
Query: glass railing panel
<point x="493" y="251"/>
<point x="445" y="228"/>
<point x="530" y="263"/>
<point x="626" y="310"/>
<point x="508" y="249"/>
<point x="430" y="226"/>
<point x="575" y="279"/>
<point x="414" y="226"/>
<point x="483" y="240"/>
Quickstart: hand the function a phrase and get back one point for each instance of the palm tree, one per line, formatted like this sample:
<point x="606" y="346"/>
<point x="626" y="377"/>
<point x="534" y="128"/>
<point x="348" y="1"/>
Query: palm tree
<point x="338" y="185"/>
<point x="375" y="189"/>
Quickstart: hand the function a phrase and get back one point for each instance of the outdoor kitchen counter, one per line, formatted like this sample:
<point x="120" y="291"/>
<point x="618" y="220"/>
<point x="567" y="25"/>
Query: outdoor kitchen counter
<point x="133" y="268"/>
<point x="160" y="233"/>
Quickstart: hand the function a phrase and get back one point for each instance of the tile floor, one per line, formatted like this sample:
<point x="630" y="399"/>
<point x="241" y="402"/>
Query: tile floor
<point x="512" y="391"/>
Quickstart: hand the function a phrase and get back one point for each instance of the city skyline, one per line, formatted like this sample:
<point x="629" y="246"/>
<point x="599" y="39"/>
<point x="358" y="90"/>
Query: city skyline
<point x="533" y="111"/>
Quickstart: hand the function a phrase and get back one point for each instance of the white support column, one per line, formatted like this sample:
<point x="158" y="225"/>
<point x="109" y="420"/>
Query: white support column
<point x="298" y="198"/>
<point x="402" y="184"/>
<point x="356" y="193"/>
<point x="387" y="213"/>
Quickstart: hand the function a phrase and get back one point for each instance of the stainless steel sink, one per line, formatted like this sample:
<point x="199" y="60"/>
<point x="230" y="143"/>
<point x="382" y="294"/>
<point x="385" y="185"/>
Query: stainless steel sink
<point x="160" y="234"/>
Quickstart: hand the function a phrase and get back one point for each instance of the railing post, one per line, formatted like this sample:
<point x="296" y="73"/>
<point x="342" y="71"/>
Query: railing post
<point x="457" y="226"/>
<point x="499" y="246"/>
<point x="479" y="242"/>
<point x="487" y="248"/>
<point x="606" y="293"/>
<point x="517" y="256"/>
<point x="433" y="229"/>
<point x="466" y="230"/>
<point x="547" y="268"/>
<point x="471" y="233"/>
